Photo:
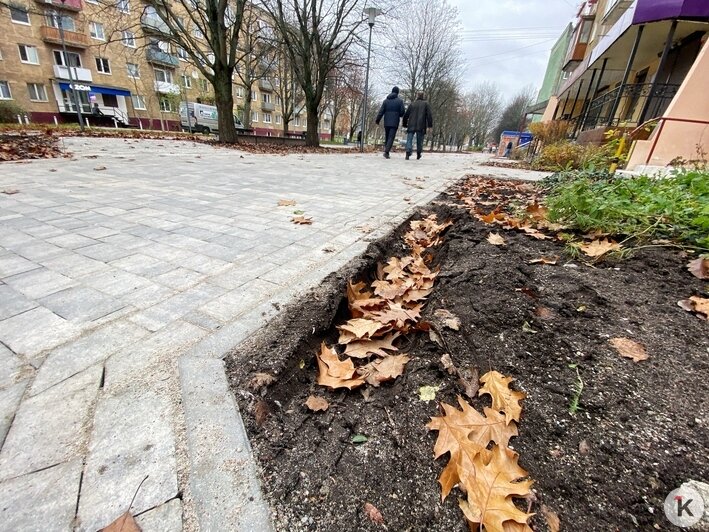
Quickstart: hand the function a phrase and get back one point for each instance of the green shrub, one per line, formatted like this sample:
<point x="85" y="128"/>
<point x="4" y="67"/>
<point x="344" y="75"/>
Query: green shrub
<point x="571" y="156"/>
<point x="674" y="207"/>
<point x="9" y="112"/>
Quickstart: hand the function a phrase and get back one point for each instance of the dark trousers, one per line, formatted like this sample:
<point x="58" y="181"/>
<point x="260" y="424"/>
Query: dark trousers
<point x="390" y="136"/>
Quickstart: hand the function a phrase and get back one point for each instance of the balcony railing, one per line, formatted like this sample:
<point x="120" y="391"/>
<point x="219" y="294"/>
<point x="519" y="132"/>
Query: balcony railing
<point x="615" y="9"/>
<point x="265" y="85"/>
<point x="268" y="107"/>
<point x="77" y="73"/>
<point x="72" y="38"/>
<point x="165" y="87"/>
<point x="632" y="98"/>
<point x="154" y="23"/>
<point x="156" y="55"/>
<point x="71" y="5"/>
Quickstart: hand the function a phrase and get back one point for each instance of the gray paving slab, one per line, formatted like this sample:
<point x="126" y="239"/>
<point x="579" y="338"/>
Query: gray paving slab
<point x="62" y="431"/>
<point x="10" y="398"/>
<point x="132" y="439"/>
<point x="151" y="262"/>
<point x="165" y="518"/>
<point x="41" y="501"/>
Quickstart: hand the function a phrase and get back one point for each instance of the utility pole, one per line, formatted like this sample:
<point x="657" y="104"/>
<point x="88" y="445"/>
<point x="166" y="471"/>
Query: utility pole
<point x="372" y="13"/>
<point x="74" y="94"/>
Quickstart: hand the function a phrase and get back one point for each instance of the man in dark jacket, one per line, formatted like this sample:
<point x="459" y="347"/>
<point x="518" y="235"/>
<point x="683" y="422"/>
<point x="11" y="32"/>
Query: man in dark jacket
<point x="392" y="110"/>
<point x="417" y="119"/>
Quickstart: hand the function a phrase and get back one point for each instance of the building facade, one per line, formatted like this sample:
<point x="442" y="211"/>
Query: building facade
<point x="626" y="63"/>
<point x="117" y="59"/>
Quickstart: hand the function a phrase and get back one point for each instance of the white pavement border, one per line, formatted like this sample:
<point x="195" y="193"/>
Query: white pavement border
<point x="126" y="274"/>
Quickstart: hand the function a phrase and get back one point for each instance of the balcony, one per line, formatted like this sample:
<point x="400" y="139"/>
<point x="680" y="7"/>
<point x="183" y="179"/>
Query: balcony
<point x="77" y="73"/>
<point x="70" y="5"/>
<point x="72" y="38"/>
<point x="155" y="24"/>
<point x="156" y="55"/>
<point x="265" y="85"/>
<point x="615" y="10"/>
<point x="268" y="107"/>
<point x="164" y="87"/>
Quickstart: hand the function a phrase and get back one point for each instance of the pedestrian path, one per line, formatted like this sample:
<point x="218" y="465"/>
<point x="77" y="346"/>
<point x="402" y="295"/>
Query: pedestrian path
<point x="126" y="273"/>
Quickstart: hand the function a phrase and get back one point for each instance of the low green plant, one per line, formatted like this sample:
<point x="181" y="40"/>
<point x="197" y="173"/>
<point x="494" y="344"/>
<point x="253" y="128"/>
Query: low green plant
<point x="675" y="207"/>
<point x="577" y="390"/>
<point x="9" y="112"/>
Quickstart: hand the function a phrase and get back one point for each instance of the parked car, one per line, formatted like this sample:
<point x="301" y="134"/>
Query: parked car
<point x="203" y="118"/>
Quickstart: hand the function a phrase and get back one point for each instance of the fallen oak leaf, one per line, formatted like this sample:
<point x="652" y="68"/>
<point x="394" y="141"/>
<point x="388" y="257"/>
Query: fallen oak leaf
<point x="373" y="513"/>
<point x="468" y="379"/>
<point x="448" y="365"/>
<point x="504" y="398"/>
<point x="598" y="248"/>
<point x="317" y="404"/>
<point x="545" y="260"/>
<point x="699" y="305"/>
<point x="377" y="346"/>
<point x="335" y="373"/>
<point x="384" y="370"/>
<point x="286" y="203"/>
<point x="629" y="349"/>
<point x="261" y="412"/>
<point x="360" y="328"/>
<point x="302" y="220"/>
<point x="125" y="523"/>
<point x="699" y="268"/>
<point x="261" y="380"/>
<point x="99" y="168"/>
<point x="496" y="239"/>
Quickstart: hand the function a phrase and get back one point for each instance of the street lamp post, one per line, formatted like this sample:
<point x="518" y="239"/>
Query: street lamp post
<point x="371" y="13"/>
<point x="74" y="94"/>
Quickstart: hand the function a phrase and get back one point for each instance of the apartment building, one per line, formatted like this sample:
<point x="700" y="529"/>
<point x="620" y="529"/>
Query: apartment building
<point x="116" y="57"/>
<point x="634" y="62"/>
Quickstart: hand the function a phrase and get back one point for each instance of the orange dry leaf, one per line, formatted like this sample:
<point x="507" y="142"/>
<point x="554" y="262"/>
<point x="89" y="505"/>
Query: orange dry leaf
<point x="365" y="348"/>
<point x="125" y="523"/>
<point x="374" y="515"/>
<point x="496" y="239"/>
<point x="286" y="203"/>
<point x="699" y="268"/>
<point x="359" y="328"/>
<point x="629" y="349"/>
<point x="317" y="404"/>
<point x="390" y="289"/>
<point x="504" y="399"/>
<point x="397" y="315"/>
<point x="383" y="370"/>
<point x="491" y="489"/>
<point x="545" y="260"/>
<point x="598" y="248"/>
<point x="698" y="305"/>
<point x="334" y="372"/>
<point x="302" y="220"/>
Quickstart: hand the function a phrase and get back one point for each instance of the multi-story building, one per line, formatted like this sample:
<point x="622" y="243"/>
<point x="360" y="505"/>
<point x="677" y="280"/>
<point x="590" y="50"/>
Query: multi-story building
<point x="116" y="57"/>
<point x="636" y="62"/>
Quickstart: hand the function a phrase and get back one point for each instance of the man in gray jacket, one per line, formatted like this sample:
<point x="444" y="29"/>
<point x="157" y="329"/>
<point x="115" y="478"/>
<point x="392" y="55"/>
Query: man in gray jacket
<point x="417" y="119"/>
<point x="391" y="111"/>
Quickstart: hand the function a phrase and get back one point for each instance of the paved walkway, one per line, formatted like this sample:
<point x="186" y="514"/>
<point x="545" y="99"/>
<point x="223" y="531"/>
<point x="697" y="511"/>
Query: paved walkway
<point x="127" y="272"/>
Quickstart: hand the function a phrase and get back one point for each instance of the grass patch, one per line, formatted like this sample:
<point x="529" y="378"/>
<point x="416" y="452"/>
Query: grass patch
<point x="674" y="208"/>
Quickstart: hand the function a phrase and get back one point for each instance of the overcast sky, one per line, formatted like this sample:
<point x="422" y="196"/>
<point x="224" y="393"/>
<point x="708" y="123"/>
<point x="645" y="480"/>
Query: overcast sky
<point x="508" y="41"/>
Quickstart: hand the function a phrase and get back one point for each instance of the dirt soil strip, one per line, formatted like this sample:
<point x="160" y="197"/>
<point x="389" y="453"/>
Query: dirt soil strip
<point x="641" y="430"/>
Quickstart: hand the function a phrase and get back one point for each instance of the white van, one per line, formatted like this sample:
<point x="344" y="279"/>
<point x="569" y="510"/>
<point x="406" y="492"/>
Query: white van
<point x="203" y="118"/>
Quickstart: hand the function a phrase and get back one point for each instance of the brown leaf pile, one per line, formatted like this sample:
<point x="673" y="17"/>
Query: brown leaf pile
<point x="380" y="312"/>
<point x="16" y="147"/>
<point x="697" y="305"/>
<point x="481" y="464"/>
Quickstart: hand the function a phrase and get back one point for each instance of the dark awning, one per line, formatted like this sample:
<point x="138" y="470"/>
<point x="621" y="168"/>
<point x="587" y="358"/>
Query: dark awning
<point x="94" y="88"/>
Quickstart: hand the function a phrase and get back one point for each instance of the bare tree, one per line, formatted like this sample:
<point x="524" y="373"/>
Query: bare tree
<point x="288" y="96"/>
<point x="317" y="35"/>
<point x="257" y="56"/>
<point x="514" y="116"/>
<point x="423" y="47"/>
<point x="483" y="106"/>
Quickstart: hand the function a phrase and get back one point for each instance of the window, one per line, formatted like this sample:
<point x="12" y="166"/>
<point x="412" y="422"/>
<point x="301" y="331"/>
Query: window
<point x="279" y="119"/>
<point x="186" y="81"/>
<point x="97" y="31"/>
<point x="585" y="33"/>
<point x="254" y="117"/>
<point x="266" y="97"/>
<point x="102" y="65"/>
<point x="163" y="75"/>
<point x="19" y="15"/>
<point x="91" y="1"/>
<point x="37" y="92"/>
<point x="133" y="70"/>
<point x="123" y="6"/>
<point x="165" y="105"/>
<point x="138" y="102"/>
<point x="279" y="101"/>
<point x="254" y="96"/>
<point x="203" y="85"/>
<point x="74" y="59"/>
<point x="182" y="53"/>
<point x="296" y="121"/>
<point x="28" y="54"/>
<point x="239" y="92"/>
<point x="267" y="118"/>
<point x="5" y="93"/>
<point x="53" y="20"/>
<point x="129" y="39"/>
<point x="196" y="32"/>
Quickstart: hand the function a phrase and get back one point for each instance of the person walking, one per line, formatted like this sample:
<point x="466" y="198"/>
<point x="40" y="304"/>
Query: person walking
<point x="508" y="149"/>
<point x="417" y="119"/>
<point x="391" y="111"/>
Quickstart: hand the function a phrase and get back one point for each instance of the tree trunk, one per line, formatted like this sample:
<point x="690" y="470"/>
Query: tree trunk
<point x="224" y="101"/>
<point x="286" y="123"/>
<point x="311" y="136"/>
<point x="247" y="109"/>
